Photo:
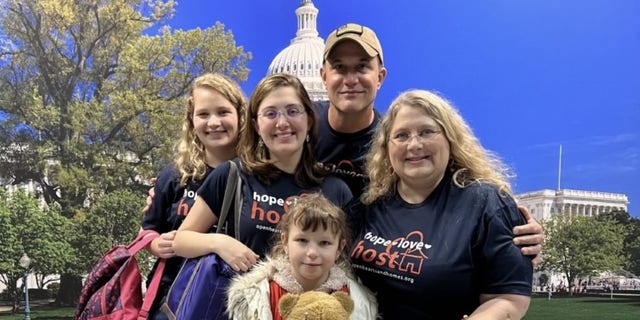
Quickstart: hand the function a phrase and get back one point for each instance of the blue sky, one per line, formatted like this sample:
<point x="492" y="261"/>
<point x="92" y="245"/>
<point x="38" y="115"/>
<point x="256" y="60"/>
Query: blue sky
<point x="527" y="75"/>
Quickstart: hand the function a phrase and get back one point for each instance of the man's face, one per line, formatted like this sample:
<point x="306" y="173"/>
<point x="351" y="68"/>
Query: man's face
<point x="351" y="77"/>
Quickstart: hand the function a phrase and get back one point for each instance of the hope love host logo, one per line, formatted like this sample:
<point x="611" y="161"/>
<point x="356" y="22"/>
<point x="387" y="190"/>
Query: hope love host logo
<point x="344" y="167"/>
<point x="185" y="204"/>
<point x="403" y="254"/>
<point x="271" y="209"/>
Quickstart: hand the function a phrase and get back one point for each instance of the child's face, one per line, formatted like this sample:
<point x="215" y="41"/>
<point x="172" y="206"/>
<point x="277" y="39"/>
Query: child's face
<point x="311" y="254"/>
<point x="215" y="120"/>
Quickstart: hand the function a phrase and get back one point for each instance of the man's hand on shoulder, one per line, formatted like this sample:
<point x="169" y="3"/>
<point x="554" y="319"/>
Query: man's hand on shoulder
<point x="529" y="237"/>
<point x="150" y="196"/>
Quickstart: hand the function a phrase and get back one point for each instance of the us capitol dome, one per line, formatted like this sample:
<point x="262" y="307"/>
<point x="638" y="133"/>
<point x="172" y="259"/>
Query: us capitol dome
<point x="303" y="57"/>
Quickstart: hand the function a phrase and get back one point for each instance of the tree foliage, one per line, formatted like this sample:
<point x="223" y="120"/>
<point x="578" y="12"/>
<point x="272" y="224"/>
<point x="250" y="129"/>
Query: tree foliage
<point x="632" y="246"/>
<point x="114" y="219"/>
<point x="581" y="246"/>
<point x="91" y="94"/>
<point x="91" y="103"/>
<point x="632" y="240"/>
<point x="28" y="227"/>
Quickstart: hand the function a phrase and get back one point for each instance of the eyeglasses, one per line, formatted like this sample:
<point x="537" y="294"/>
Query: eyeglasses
<point x="404" y="137"/>
<point x="289" y="112"/>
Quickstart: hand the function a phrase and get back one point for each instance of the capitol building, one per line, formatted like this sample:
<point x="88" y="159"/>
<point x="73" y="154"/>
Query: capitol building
<point x="542" y="204"/>
<point x="303" y="57"/>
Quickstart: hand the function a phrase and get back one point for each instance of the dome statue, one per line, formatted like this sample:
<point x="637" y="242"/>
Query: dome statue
<point x="303" y="57"/>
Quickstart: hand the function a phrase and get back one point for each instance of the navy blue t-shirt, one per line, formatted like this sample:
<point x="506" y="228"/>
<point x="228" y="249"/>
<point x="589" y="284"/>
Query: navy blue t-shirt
<point x="344" y="154"/>
<point x="262" y="206"/>
<point x="432" y="260"/>
<point x="171" y="204"/>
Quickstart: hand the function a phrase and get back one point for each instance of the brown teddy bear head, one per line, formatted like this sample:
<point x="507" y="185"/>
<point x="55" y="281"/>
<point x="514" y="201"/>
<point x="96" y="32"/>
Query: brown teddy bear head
<point x="316" y="305"/>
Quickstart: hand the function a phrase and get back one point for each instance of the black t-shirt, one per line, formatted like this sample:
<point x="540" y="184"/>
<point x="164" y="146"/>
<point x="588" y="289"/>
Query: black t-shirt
<point x="171" y="204"/>
<point x="262" y="206"/>
<point x="432" y="260"/>
<point x="344" y="154"/>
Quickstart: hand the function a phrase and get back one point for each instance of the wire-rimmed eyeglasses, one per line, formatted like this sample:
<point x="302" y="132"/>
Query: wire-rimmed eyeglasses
<point x="289" y="112"/>
<point x="404" y="137"/>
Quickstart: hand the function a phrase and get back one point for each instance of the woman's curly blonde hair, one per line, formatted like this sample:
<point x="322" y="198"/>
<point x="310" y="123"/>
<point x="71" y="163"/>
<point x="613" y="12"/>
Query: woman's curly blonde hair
<point x="469" y="161"/>
<point x="190" y="152"/>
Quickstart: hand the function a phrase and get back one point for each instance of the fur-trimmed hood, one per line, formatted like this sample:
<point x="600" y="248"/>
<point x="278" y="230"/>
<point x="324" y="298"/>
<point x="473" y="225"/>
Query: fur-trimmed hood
<point x="249" y="298"/>
<point x="264" y="269"/>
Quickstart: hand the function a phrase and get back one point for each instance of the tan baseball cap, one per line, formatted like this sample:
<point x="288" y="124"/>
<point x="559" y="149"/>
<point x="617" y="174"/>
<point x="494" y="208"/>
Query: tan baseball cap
<point x="362" y="35"/>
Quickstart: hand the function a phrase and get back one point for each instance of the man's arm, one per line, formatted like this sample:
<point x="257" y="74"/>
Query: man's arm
<point x="529" y="237"/>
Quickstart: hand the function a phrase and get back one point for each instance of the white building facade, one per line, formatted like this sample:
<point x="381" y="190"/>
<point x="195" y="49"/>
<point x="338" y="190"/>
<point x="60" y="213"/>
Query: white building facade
<point x="542" y="204"/>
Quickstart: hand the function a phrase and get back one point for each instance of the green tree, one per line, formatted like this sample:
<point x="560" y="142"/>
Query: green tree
<point x="28" y="227"/>
<point x="632" y="246"/>
<point x="114" y="219"/>
<point x="633" y="250"/>
<point x="632" y="240"/>
<point x="544" y="279"/>
<point x="581" y="246"/>
<point x="90" y="93"/>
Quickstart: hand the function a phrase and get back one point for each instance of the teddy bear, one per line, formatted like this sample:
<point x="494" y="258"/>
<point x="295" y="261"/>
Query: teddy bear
<point x="316" y="305"/>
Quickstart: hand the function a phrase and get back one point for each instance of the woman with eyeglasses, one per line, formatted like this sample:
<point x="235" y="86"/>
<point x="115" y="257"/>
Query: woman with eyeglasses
<point x="432" y="233"/>
<point x="276" y="157"/>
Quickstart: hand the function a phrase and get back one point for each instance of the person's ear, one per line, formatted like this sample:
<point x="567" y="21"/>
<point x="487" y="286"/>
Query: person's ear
<point x="382" y="74"/>
<point x="323" y="75"/>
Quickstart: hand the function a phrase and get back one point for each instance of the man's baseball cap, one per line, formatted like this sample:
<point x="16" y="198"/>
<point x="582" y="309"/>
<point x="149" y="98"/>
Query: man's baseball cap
<point x="362" y="35"/>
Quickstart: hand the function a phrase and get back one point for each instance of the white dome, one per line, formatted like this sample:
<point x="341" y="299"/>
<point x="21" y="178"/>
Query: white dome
<point x="303" y="57"/>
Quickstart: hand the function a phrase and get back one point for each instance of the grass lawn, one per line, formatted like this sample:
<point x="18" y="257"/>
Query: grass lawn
<point x="558" y="308"/>
<point x="41" y="313"/>
<point x="584" y="308"/>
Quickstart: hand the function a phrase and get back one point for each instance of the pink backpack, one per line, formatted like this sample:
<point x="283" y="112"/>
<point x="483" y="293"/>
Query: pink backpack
<point x="113" y="289"/>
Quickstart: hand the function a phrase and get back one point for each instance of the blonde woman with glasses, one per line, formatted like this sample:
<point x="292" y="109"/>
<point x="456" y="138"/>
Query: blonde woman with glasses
<point x="433" y="232"/>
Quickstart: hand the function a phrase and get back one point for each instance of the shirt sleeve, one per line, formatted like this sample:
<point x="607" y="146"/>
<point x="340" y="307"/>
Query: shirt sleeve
<point x="157" y="217"/>
<point x="213" y="187"/>
<point x="505" y="269"/>
<point x="355" y="212"/>
<point x="344" y="194"/>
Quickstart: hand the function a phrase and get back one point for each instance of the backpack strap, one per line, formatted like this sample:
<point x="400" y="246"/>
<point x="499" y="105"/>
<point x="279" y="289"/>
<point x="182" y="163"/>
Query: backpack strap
<point x="238" y="207"/>
<point x="230" y="191"/>
<point x="152" y="290"/>
<point x="143" y="239"/>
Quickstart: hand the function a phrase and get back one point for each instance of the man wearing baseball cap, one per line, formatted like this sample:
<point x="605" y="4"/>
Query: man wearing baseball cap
<point x="352" y="73"/>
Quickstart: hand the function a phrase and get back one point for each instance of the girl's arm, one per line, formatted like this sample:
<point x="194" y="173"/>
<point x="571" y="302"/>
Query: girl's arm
<point x="162" y="246"/>
<point x="193" y="240"/>
<point x="501" y="307"/>
<point x="504" y="271"/>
